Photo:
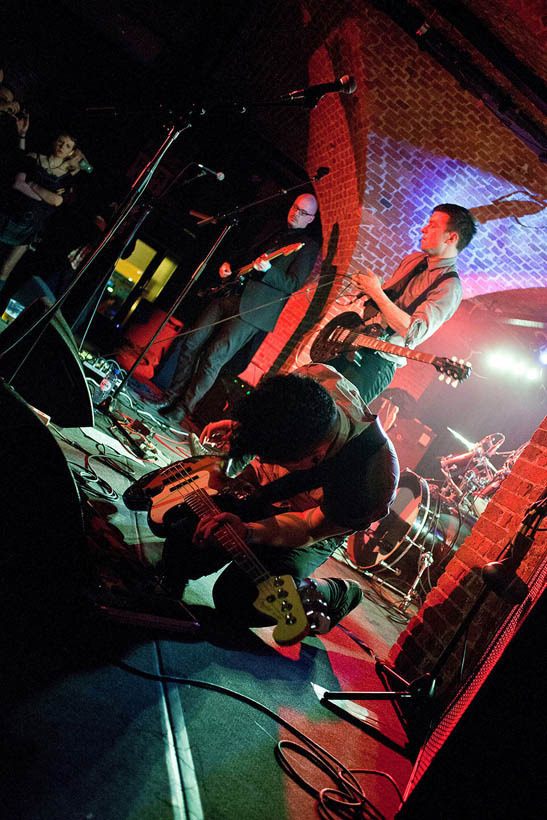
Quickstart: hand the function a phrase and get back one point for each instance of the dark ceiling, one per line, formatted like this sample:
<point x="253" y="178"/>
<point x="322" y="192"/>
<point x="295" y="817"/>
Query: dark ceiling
<point x="68" y="56"/>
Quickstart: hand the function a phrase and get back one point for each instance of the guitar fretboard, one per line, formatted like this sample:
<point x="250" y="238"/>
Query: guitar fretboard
<point x="201" y="504"/>
<point x="362" y="340"/>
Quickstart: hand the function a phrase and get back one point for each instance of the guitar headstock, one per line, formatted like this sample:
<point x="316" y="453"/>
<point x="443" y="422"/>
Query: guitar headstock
<point x="453" y="370"/>
<point x="299" y="611"/>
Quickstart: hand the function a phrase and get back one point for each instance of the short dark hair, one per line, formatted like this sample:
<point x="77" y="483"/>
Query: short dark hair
<point x="68" y="134"/>
<point x="283" y="419"/>
<point x="462" y="221"/>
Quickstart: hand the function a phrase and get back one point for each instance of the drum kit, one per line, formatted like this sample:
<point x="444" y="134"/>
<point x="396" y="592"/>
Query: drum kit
<point x="407" y="551"/>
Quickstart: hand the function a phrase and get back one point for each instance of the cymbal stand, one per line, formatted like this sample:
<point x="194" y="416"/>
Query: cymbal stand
<point x="425" y="561"/>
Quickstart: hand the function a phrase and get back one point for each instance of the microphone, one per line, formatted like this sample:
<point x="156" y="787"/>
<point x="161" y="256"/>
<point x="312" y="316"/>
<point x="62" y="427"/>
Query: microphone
<point x="345" y="84"/>
<point x="218" y="174"/>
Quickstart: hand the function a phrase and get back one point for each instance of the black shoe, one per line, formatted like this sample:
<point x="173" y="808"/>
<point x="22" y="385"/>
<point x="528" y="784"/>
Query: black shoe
<point x="172" y="411"/>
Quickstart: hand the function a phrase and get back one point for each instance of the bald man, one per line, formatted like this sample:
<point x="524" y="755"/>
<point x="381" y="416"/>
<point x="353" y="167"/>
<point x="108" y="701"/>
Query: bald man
<point x="281" y="265"/>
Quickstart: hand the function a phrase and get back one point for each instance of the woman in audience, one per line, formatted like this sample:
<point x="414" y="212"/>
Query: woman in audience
<point x="38" y="189"/>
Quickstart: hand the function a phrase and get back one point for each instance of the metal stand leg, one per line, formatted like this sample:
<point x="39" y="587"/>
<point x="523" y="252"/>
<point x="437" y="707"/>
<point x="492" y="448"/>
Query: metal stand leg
<point x="426" y="559"/>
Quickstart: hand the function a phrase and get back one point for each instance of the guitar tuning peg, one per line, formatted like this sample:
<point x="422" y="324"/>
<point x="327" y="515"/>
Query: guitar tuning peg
<point x="454" y="383"/>
<point x="441" y="377"/>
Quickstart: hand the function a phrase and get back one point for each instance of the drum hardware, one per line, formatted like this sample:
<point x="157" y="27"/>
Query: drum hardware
<point x="383" y="584"/>
<point x="426" y="560"/>
<point x="420" y="533"/>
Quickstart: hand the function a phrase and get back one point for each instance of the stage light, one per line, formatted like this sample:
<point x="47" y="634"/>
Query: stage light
<point x="513" y="365"/>
<point x="542" y="356"/>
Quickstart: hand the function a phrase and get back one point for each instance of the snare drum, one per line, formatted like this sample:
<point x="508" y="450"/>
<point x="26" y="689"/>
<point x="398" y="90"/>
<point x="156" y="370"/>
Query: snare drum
<point x="419" y="521"/>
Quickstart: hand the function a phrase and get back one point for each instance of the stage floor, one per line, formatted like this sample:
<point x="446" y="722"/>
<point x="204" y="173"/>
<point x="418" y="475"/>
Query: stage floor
<point x="114" y="720"/>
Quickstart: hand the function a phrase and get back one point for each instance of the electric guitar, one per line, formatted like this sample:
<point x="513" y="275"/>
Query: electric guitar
<point x="348" y="332"/>
<point x="236" y="280"/>
<point x="183" y="492"/>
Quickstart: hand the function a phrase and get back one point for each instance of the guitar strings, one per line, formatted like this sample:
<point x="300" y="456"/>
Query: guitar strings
<point x="202" y="495"/>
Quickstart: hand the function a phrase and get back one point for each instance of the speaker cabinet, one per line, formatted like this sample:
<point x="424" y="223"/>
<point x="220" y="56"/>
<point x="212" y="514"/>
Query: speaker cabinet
<point x="43" y="365"/>
<point x="411" y="439"/>
<point x="485" y="758"/>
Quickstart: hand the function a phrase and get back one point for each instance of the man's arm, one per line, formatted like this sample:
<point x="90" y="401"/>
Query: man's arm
<point x="302" y="264"/>
<point x="438" y="308"/>
<point x="290" y="277"/>
<point x="287" y="530"/>
<point x="293" y="529"/>
<point x="398" y="319"/>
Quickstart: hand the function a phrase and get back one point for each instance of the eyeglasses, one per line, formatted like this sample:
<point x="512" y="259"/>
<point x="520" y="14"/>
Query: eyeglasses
<point x="301" y="212"/>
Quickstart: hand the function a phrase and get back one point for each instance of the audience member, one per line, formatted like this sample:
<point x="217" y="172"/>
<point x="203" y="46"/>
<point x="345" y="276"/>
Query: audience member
<point x="39" y="187"/>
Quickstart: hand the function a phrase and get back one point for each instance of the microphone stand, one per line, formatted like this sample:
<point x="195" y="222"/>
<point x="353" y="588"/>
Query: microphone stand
<point x="137" y="190"/>
<point x="232" y="217"/>
<point x="101" y="287"/>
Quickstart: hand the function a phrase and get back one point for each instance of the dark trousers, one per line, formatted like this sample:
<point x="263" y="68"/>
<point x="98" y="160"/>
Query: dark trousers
<point x="370" y="376"/>
<point x="206" y="350"/>
<point x="234" y="592"/>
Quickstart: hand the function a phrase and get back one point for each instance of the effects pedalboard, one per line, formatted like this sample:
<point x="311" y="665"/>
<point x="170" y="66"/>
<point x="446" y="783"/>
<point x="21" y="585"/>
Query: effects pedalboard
<point x="96" y="366"/>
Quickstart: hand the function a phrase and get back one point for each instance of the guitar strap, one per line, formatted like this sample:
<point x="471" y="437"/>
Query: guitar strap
<point x="398" y="288"/>
<point x="301" y="481"/>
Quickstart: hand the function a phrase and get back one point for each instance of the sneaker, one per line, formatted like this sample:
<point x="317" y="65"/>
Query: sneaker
<point x="172" y="411"/>
<point x="342" y="597"/>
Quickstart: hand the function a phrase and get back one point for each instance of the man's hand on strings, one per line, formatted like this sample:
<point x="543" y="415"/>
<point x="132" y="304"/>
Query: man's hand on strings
<point x="218" y="433"/>
<point x="368" y="282"/>
<point x="262" y="263"/>
<point x="208" y="526"/>
<point x="225" y="270"/>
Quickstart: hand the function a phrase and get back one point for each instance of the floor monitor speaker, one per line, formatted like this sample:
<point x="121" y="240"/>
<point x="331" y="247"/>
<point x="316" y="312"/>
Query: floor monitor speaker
<point x="42" y="364"/>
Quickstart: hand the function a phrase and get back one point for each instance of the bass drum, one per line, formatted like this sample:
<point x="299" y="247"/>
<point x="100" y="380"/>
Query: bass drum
<point x="419" y="521"/>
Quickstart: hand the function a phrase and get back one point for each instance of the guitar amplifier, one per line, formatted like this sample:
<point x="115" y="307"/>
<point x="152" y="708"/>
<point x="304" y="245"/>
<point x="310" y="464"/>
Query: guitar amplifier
<point x="411" y="439"/>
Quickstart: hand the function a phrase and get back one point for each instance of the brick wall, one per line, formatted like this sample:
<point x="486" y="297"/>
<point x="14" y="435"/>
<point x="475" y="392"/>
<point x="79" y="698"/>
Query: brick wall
<point x="409" y="138"/>
<point x="430" y="631"/>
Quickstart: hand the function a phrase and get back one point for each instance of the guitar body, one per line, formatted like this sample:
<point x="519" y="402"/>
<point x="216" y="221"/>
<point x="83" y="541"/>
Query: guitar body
<point x="162" y="492"/>
<point x="340" y="335"/>
<point x="235" y="282"/>
<point x="169" y="495"/>
<point x="349" y="332"/>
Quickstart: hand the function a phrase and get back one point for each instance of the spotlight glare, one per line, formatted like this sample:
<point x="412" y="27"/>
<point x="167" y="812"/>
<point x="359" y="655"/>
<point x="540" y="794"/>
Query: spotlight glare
<point x="498" y="360"/>
<point x="543" y="356"/>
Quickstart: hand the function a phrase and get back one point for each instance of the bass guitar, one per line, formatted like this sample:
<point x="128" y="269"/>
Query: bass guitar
<point x="347" y="332"/>
<point x="184" y="491"/>
<point x="236" y="280"/>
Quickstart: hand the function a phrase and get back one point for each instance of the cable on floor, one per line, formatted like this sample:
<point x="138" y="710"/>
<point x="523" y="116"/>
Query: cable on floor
<point x="332" y="803"/>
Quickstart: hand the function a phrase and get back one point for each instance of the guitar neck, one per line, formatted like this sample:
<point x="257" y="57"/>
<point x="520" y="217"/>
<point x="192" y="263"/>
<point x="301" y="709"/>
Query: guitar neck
<point x="201" y="504"/>
<point x="362" y="340"/>
<point x="269" y="256"/>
